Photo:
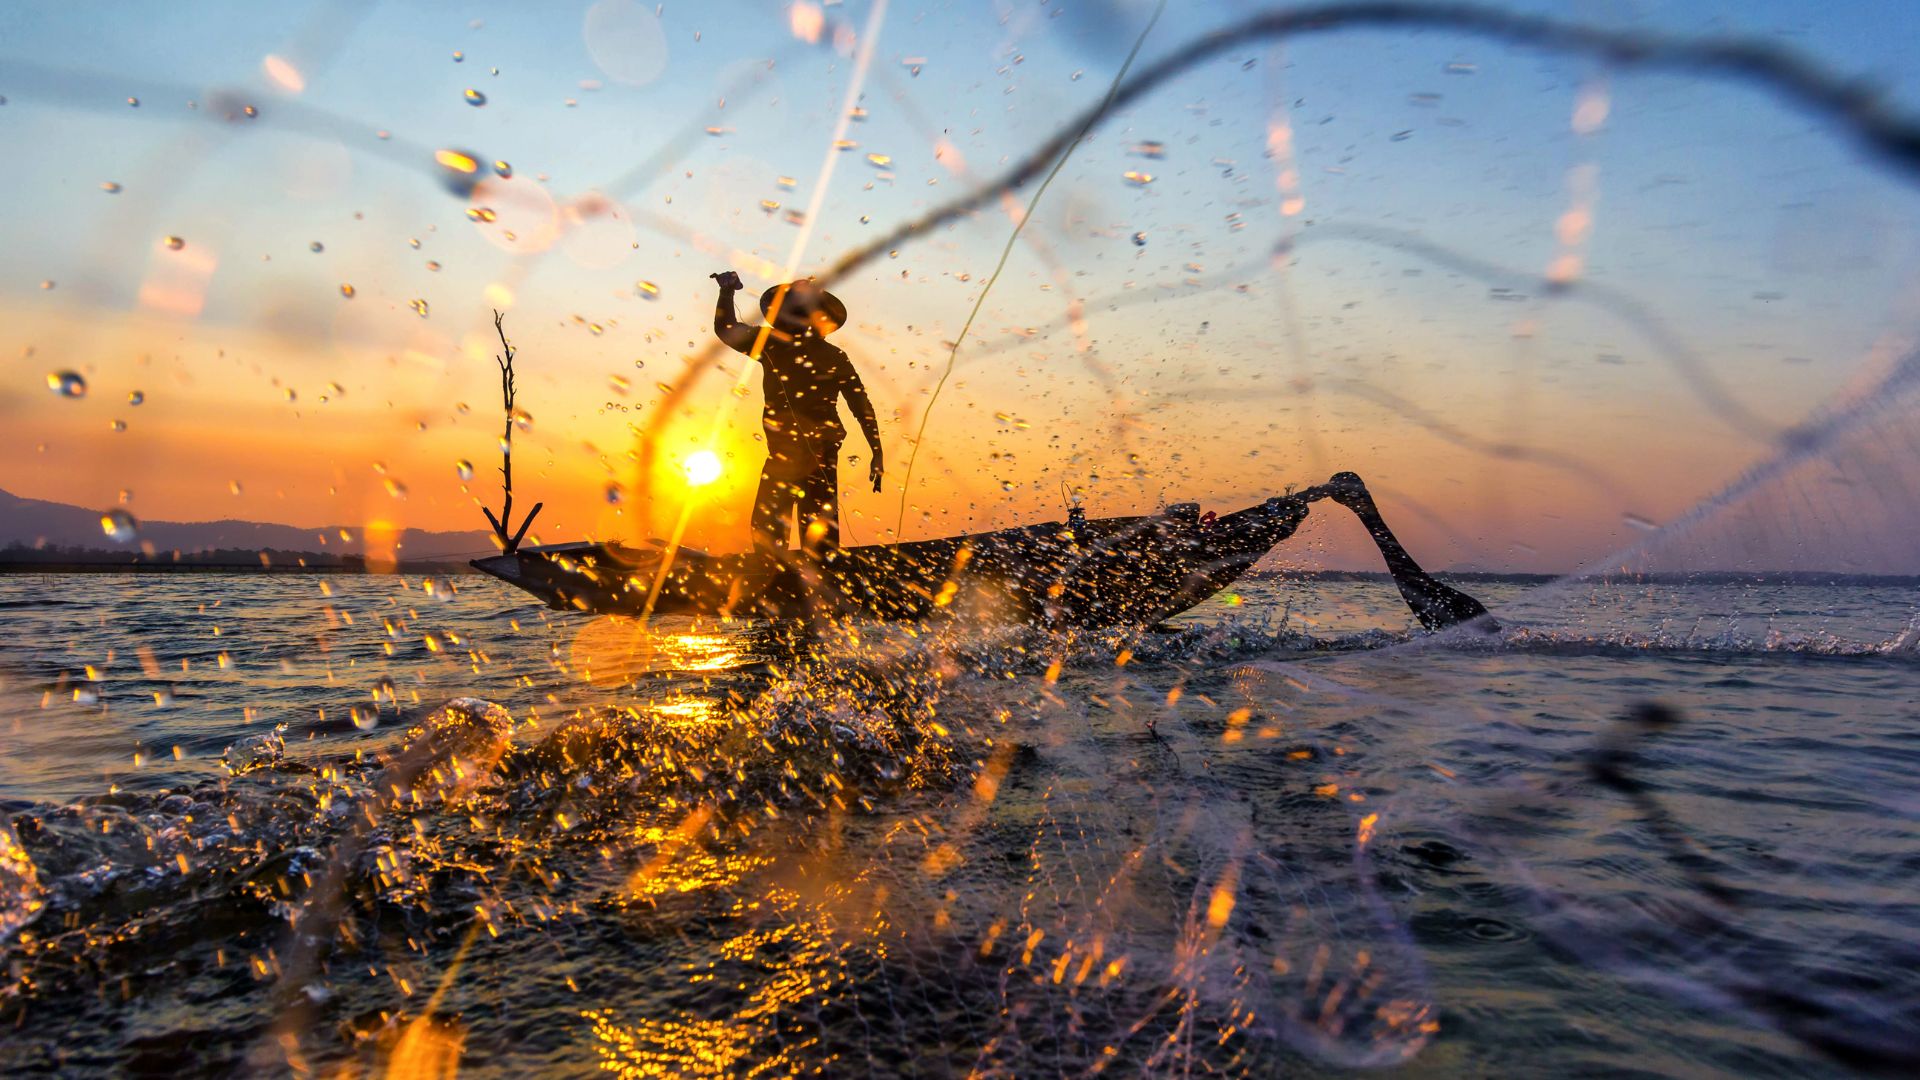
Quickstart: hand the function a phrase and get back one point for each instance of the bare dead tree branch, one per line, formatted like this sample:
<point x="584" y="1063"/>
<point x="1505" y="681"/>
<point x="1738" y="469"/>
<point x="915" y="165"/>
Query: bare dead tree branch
<point x="508" y="538"/>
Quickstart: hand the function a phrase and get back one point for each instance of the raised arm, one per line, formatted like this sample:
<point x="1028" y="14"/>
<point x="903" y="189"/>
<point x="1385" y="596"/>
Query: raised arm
<point x="855" y="392"/>
<point x="731" y="331"/>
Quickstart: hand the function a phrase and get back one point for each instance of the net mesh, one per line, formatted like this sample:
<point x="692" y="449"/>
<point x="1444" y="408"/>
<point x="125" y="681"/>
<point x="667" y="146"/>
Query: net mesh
<point x="1273" y="835"/>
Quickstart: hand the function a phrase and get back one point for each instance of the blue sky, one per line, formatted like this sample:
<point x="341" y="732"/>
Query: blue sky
<point x="1756" y="235"/>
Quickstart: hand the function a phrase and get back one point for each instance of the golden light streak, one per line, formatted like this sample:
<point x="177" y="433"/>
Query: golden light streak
<point x="1287" y="175"/>
<point x="869" y="38"/>
<point x="1590" y="108"/>
<point x="428" y="1050"/>
<point x="380" y="539"/>
<point x="1220" y="904"/>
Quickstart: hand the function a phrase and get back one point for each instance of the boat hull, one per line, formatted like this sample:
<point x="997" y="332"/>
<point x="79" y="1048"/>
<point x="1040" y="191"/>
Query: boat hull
<point x="1091" y="572"/>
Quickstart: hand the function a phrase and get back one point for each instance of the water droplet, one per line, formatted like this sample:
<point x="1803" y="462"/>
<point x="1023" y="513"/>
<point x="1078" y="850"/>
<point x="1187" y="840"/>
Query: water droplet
<point x="364" y="719"/>
<point x="291" y="396"/>
<point x="615" y="493"/>
<point x="1636" y="521"/>
<point x="459" y="170"/>
<point x="116" y="425"/>
<point x="110" y="187"/>
<point x="522" y="419"/>
<point x="639" y="363"/>
<point x="67" y="384"/>
<point x="433" y="266"/>
<point x="647" y="289"/>
<point x="133" y="102"/>
<point x="419" y="307"/>
<point x="502" y="170"/>
<point x="346" y="290"/>
<point x="618" y="384"/>
<point x="864" y="219"/>
<point x="175" y="243"/>
<point x="1150" y="149"/>
<point x="481" y="213"/>
<point x="395" y="488"/>
<point x="316" y="247"/>
<point x="1137" y="179"/>
<point x="119" y="526"/>
<point x="1139" y="239"/>
<point x="1400" y="136"/>
<point x="233" y="487"/>
<point x="458" y="56"/>
<point x="475" y="98"/>
<point x="1459" y="67"/>
<point x="136" y="397"/>
<point x="879" y="161"/>
<point x="464" y="469"/>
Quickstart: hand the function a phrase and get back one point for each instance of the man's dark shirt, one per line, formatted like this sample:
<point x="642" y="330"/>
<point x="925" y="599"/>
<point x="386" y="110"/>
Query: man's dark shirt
<point x="805" y="377"/>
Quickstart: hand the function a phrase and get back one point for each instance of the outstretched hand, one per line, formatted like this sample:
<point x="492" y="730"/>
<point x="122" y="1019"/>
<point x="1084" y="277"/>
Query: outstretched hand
<point x="728" y="279"/>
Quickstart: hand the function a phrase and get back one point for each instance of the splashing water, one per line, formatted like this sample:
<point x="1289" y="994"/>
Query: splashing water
<point x="407" y="824"/>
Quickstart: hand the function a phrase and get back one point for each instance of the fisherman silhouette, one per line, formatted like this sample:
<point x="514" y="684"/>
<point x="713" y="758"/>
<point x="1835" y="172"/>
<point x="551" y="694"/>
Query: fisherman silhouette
<point x="805" y="378"/>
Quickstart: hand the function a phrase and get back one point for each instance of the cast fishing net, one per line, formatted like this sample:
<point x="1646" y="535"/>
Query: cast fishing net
<point x="1143" y="261"/>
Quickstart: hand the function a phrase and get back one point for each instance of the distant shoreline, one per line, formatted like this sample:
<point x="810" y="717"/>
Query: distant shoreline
<point x="424" y="568"/>
<point x="1805" y="578"/>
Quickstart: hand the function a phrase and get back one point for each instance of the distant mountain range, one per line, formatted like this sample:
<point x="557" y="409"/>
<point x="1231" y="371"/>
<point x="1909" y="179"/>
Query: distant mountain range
<point x="38" y="523"/>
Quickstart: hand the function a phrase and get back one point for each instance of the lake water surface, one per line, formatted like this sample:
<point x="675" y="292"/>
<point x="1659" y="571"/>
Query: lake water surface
<point x="1653" y="830"/>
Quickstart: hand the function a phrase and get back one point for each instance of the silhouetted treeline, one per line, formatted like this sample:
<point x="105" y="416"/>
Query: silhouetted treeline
<point x="57" y="558"/>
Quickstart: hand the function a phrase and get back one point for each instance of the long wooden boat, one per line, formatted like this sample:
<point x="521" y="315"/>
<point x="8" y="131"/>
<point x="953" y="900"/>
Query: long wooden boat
<point x="1084" y="572"/>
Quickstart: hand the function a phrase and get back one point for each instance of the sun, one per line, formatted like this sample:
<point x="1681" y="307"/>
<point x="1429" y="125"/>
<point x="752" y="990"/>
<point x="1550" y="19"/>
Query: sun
<point x="702" y="468"/>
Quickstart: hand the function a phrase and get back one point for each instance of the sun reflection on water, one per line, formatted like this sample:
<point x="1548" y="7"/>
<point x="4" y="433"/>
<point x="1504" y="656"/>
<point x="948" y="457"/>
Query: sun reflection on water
<point x="787" y="965"/>
<point x="614" y="651"/>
